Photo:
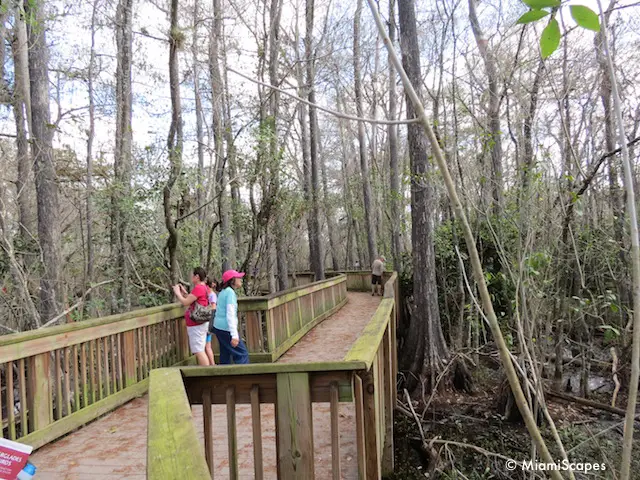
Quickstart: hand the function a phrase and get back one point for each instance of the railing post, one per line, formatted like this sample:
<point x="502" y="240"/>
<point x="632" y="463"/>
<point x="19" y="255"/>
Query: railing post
<point x="129" y="358"/>
<point x="39" y="401"/>
<point x="388" y="390"/>
<point x="360" y="433"/>
<point x="271" y="330"/>
<point x="254" y="332"/>
<point x="371" y="420"/>
<point x="184" y="342"/>
<point x="294" y="426"/>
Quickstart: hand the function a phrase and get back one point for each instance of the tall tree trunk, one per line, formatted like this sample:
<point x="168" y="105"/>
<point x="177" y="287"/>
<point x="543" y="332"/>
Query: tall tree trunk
<point x="306" y="162"/>
<point x="51" y="293"/>
<point x="567" y="281"/>
<point x="395" y="194"/>
<point x="329" y="212"/>
<point x="494" y="141"/>
<point x="217" y="91"/>
<point x="425" y="321"/>
<point x="231" y="158"/>
<point x="528" y="164"/>
<point x="200" y="190"/>
<point x="317" y="261"/>
<point x="281" y="233"/>
<point x="615" y="195"/>
<point x="90" y="138"/>
<point x="364" y="164"/>
<point x="22" y="115"/>
<point x="122" y="155"/>
<point x="631" y="410"/>
<point x="174" y="141"/>
<point x="353" y="250"/>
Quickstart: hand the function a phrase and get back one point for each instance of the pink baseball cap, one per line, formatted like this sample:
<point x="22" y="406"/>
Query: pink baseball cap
<point x="229" y="274"/>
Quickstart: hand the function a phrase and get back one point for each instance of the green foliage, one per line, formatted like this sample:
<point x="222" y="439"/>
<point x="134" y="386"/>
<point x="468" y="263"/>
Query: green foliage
<point x="585" y="17"/>
<point x="538" y="4"/>
<point x="532" y="16"/>
<point x="550" y="38"/>
<point x="449" y="275"/>
<point x="611" y="333"/>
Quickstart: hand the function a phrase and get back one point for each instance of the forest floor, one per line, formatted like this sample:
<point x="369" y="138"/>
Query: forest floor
<point x="590" y="436"/>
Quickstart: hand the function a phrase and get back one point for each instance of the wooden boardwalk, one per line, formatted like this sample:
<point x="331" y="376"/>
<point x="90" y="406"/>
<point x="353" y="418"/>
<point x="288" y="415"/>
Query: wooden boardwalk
<point x="115" y="446"/>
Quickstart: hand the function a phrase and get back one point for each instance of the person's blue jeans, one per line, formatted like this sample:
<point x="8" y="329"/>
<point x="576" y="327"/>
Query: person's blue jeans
<point x="239" y="354"/>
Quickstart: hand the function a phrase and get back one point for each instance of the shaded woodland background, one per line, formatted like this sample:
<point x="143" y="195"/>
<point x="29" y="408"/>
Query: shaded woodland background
<point x="142" y="138"/>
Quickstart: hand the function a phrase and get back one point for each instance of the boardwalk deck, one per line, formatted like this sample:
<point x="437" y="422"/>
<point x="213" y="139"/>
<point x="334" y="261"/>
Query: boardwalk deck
<point x="115" y="445"/>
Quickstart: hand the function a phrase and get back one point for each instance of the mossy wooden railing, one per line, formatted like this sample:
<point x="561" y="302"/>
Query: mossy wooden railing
<point x="365" y="379"/>
<point x="56" y="379"/>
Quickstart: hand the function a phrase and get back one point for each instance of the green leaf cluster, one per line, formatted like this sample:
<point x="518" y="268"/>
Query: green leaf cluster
<point x="550" y="38"/>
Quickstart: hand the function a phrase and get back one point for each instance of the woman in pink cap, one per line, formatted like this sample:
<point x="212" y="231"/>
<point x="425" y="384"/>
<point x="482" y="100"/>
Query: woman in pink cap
<point x="225" y="323"/>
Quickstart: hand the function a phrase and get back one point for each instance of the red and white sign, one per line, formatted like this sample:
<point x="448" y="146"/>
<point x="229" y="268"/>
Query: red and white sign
<point x="13" y="458"/>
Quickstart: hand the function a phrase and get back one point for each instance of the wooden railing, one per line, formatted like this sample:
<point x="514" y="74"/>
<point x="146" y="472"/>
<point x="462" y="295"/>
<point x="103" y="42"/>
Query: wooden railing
<point x="274" y="323"/>
<point x="363" y="380"/>
<point x="56" y="379"/>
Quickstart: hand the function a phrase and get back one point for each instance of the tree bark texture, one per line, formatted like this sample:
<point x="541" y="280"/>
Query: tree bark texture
<point x="317" y="259"/>
<point x="174" y="142"/>
<point x="528" y="163"/>
<point x="364" y="163"/>
<point x="395" y="194"/>
<point x="51" y="293"/>
<point x="425" y="321"/>
<point x="122" y="154"/>
<point x="227" y="252"/>
<point x="200" y="179"/>
<point x="22" y="116"/>
<point x="616" y="197"/>
<point x="90" y="139"/>
<point x="494" y="141"/>
<point x="281" y="235"/>
<point x="329" y="214"/>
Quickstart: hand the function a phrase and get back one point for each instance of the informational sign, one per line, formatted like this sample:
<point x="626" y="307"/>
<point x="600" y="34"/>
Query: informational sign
<point x="13" y="458"/>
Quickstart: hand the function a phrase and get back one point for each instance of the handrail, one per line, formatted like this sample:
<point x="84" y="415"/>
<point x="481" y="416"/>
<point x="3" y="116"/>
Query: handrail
<point x="171" y="427"/>
<point x="34" y="342"/>
<point x="22" y="337"/>
<point x="365" y="348"/>
<point x="265" y="368"/>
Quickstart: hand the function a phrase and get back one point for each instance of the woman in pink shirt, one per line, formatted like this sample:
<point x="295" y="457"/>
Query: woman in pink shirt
<point x="197" y="332"/>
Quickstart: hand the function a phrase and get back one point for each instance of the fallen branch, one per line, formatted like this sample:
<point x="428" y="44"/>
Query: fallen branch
<point x="415" y="416"/>
<point x="585" y="402"/>
<point x="75" y="305"/>
<point x="473" y="447"/>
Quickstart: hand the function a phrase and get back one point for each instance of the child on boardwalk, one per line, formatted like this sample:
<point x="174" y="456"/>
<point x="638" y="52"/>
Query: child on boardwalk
<point x="213" y="300"/>
<point x="225" y="324"/>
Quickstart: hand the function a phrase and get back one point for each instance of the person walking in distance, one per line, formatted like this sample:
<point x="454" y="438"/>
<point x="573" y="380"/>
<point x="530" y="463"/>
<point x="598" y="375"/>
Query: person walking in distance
<point x="197" y="332"/>
<point x="377" y="268"/>
<point x="225" y="323"/>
